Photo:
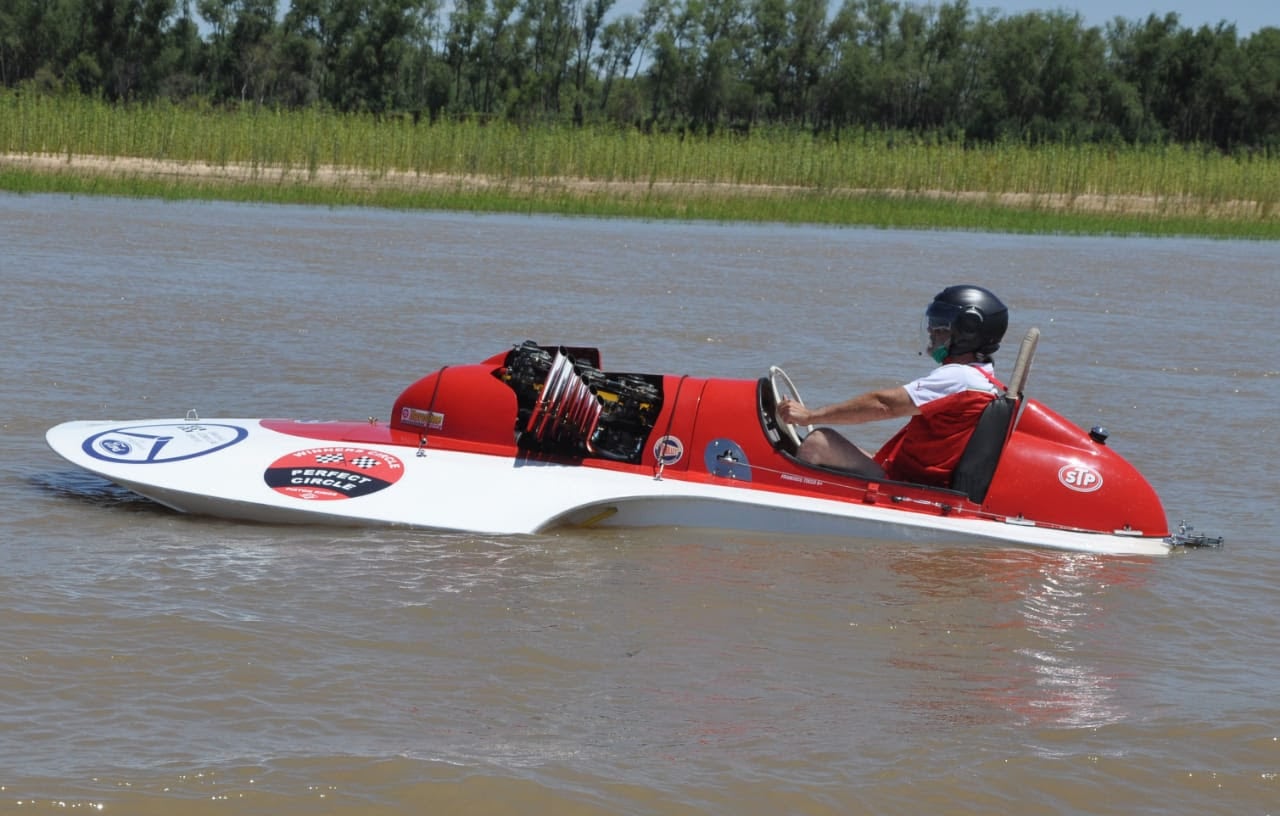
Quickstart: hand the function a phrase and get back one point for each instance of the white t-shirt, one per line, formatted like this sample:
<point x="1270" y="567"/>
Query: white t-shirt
<point x="951" y="378"/>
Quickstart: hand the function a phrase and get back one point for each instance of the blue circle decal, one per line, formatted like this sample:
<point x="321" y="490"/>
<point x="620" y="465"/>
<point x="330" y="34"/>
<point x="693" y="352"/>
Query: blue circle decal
<point x="158" y="444"/>
<point x="116" y="447"/>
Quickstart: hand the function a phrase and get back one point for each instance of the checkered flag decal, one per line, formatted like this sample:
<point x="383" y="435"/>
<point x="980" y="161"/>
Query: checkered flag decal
<point x="323" y="474"/>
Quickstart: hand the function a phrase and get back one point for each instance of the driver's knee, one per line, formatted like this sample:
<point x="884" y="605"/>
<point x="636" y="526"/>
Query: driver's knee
<point x="828" y="448"/>
<point x="822" y="447"/>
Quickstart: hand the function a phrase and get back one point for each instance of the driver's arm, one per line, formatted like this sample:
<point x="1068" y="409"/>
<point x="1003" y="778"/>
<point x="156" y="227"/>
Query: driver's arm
<point x="887" y="403"/>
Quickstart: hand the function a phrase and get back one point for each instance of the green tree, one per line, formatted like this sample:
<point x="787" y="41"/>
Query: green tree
<point x="786" y="46"/>
<point x="1207" y="99"/>
<point x="948" y="67"/>
<point x="622" y="47"/>
<point x="254" y="63"/>
<point x="842" y="90"/>
<point x="1042" y="77"/>
<point x="719" y="89"/>
<point x="463" y="50"/>
<point x="547" y="29"/>
<point x="1262" y="89"/>
<point x="126" y="41"/>
<point x="1140" y="57"/>
<point x="376" y="59"/>
<point x="184" y="57"/>
<point x="671" y="70"/>
<point x="304" y="67"/>
<point x="592" y="14"/>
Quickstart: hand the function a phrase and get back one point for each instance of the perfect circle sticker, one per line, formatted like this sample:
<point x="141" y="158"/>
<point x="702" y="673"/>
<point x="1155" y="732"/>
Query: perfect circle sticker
<point x="331" y="473"/>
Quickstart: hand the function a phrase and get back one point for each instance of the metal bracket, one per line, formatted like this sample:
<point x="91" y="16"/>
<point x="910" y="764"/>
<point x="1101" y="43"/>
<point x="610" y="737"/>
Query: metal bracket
<point x="725" y="458"/>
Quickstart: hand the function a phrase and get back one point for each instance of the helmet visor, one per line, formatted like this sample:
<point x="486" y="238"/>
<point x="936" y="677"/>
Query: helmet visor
<point x="940" y="315"/>
<point x="936" y="327"/>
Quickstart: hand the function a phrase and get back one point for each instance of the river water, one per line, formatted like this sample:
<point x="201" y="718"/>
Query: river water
<point x="152" y="663"/>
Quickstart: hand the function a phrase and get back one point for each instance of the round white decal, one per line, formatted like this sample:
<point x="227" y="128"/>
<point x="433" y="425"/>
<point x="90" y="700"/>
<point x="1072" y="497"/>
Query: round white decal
<point x="668" y="450"/>
<point x="158" y="444"/>
<point x="1080" y="478"/>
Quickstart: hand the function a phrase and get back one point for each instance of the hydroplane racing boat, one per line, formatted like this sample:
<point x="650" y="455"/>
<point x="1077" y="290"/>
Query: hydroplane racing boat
<point x="537" y="438"/>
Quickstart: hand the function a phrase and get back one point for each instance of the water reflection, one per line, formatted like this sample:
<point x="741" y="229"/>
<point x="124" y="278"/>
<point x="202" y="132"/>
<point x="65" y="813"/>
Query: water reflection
<point x="1013" y="633"/>
<point x="92" y="489"/>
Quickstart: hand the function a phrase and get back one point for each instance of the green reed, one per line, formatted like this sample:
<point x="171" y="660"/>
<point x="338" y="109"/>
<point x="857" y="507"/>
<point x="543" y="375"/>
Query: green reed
<point x="826" y="177"/>
<point x="865" y="210"/>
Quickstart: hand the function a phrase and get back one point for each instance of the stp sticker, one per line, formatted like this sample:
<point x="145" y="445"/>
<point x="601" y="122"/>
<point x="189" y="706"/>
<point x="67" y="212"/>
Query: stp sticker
<point x="668" y="450"/>
<point x="330" y="473"/>
<point x="1080" y="478"/>
<point x="162" y="443"/>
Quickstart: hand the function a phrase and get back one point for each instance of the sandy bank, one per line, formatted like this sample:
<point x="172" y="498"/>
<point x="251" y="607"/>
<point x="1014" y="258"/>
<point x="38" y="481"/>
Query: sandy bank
<point x="363" y="179"/>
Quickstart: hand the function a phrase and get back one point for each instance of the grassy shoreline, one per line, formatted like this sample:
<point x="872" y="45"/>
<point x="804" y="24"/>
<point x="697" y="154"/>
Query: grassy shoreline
<point x="1027" y="213"/>
<point x="82" y="146"/>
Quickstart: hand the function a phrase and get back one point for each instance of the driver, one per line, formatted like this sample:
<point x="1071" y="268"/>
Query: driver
<point x="963" y="326"/>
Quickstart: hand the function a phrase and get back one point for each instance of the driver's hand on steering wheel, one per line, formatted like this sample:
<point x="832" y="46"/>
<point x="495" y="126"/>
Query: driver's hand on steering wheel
<point x="793" y="413"/>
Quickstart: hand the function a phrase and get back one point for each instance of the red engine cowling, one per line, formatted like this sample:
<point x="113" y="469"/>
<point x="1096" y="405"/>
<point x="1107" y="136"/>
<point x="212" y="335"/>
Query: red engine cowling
<point x="466" y="405"/>
<point x="1054" y="472"/>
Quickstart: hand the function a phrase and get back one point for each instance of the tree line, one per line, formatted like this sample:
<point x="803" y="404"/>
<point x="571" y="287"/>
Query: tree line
<point x="942" y="71"/>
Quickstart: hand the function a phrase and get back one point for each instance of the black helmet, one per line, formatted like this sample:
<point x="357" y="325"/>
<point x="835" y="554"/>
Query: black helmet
<point x="976" y="317"/>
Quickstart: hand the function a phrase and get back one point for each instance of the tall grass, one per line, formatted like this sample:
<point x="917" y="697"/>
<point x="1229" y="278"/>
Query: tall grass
<point x="855" y="162"/>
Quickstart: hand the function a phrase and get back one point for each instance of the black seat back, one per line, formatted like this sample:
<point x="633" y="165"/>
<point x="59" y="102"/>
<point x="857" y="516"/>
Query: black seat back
<point x="977" y="465"/>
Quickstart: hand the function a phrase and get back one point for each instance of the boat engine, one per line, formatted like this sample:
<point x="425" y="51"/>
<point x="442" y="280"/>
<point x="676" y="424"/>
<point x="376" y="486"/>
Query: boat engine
<point x="567" y="405"/>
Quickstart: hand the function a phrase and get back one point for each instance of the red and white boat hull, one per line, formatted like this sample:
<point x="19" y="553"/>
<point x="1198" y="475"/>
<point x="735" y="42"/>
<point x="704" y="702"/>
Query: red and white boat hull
<point x="526" y="443"/>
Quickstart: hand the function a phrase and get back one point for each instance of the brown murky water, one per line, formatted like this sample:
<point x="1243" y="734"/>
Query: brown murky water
<point x="156" y="663"/>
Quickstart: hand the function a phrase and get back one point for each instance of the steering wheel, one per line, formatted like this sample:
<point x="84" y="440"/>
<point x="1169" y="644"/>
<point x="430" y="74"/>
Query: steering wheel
<point x="784" y="388"/>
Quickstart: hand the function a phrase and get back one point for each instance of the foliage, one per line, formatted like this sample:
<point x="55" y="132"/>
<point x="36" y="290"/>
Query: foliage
<point x="779" y="157"/>
<point x="870" y="177"/>
<point x="679" y="66"/>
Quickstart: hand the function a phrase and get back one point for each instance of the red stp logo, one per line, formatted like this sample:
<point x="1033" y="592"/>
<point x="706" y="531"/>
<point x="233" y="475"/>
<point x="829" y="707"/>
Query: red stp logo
<point x="1080" y="478"/>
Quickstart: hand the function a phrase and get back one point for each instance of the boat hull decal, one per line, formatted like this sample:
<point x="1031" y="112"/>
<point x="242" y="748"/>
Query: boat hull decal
<point x="333" y="473"/>
<point x="162" y="443"/>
